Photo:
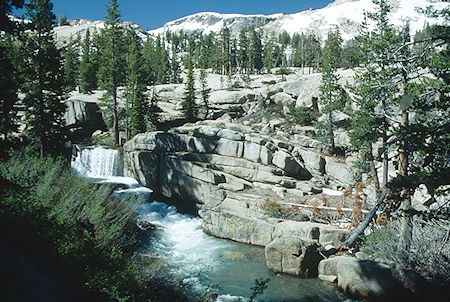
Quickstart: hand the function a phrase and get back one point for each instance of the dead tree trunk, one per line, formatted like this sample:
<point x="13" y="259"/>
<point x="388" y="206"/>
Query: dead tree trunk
<point x="350" y="242"/>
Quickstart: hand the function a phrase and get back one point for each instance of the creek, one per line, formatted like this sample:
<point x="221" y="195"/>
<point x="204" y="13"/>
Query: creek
<point x="203" y="262"/>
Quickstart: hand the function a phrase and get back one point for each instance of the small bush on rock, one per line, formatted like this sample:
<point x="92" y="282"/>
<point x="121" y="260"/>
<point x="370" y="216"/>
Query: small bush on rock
<point x="428" y="256"/>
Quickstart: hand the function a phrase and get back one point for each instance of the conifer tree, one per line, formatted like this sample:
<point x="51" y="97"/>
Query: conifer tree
<point x="255" y="51"/>
<point x="242" y="54"/>
<point x="6" y="7"/>
<point x="9" y="86"/>
<point x="205" y="91"/>
<point x="269" y="55"/>
<point x="190" y="108"/>
<point x="148" y="54"/>
<point x="135" y="91"/>
<point x="112" y="64"/>
<point x="374" y="87"/>
<point x="71" y="64"/>
<point x="11" y="77"/>
<point x="330" y="91"/>
<point x="225" y="46"/>
<point x="175" y="69"/>
<point x="44" y="80"/>
<point x="88" y="74"/>
<point x="160" y="62"/>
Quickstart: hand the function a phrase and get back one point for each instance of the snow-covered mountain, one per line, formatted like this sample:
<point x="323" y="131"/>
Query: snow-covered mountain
<point x="347" y="14"/>
<point x="79" y="27"/>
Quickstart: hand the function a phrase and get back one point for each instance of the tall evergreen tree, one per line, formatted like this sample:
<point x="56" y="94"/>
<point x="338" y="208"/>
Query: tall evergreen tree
<point x="330" y="91"/>
<point x="242" y="54"/>
<point x="88" y="74"/>
<point x="225" y="46"/>
<point x="205" y="91"/>
<point x="71" y="64"/>
<point x="160" y="62"/>
<point x="175" y="69"/>
<point x="374" y="87"/>
<point x="44" y="80"/>
<point x="6" y="7"/>
<point x="255" y="51"/>
<point x="190" y="108"/>
<point x="135" y="91"/>
<point x="9" y="86"/>
<point x="10" y="76"/>
<point x="148" y="53"/>
<point x="113" y="64"/>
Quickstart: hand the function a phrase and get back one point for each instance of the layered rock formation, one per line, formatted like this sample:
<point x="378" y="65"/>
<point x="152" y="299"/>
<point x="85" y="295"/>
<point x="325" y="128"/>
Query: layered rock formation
<point x="83" y="118"/>
<point x="230" y="174"/>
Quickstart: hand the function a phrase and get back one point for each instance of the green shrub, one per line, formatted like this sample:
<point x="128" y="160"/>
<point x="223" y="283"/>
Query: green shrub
<point x="79" y="226"/>
<point x="428" y="255"/>
<point x="303" y="115"/>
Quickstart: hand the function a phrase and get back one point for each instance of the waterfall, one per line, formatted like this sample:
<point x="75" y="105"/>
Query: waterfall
<point x="98" y="162"/>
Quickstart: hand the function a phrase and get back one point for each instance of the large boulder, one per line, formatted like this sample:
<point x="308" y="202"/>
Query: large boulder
<point x="283" y="99"/>
<point x="247" y="229"/>
<point x="234" y="97"/>
<point x="290" y="165"/>
<point x="323" y="234"/>
<point x="365" y="279"/>
<point x="293" y="255"/>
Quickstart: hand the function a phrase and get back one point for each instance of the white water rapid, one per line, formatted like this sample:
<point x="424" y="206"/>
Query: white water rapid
<point x="204" y="263"/>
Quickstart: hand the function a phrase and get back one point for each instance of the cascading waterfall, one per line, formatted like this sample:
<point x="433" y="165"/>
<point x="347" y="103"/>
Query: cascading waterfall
<point x="204" y="263"/>
<point x="98" y="162"/>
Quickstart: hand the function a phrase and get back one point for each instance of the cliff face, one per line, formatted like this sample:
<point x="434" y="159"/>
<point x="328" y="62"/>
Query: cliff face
<point x="230" y="174"/>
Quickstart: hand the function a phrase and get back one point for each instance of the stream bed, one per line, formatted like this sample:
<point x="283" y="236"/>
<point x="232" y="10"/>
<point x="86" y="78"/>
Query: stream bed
<point x="204" y="263"/>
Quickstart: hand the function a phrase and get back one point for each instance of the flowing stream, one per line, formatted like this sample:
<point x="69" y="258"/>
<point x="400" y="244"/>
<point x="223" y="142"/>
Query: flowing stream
<point x="203" y="262"/>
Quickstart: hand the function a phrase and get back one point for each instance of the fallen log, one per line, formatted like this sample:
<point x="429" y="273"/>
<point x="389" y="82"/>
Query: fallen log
<point x="350" y="242"/>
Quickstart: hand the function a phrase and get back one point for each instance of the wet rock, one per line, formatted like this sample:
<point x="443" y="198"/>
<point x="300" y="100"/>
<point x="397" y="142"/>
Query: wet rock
<point x="365" y="279"/>
<point x="145" y="225"/>
<point x="293" y="255"/>
<point x="328" y="278"/>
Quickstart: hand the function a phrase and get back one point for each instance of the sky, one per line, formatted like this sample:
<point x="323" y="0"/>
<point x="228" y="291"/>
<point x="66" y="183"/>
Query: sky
<point x="152" y="14"/>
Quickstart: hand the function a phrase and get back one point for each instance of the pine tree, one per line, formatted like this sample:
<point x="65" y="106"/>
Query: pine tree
<point x="269" y="57"/>
<point x="112" y="64"/>
<point x="71" y="63"/>
<point x="10" y="74"/>
<point x="225" y="46"/>
<point x="190" y="109"/>
<point x="148" y="54"/>
<point x="374" y="87"/>
<point x="6" y="7"/>
<point x="255" y="51"/>
<point x="205" y="91"/>
<point x="425" y="138"/>
<point x="44" y="80"/>
<point x="242" y="54"/>
<point x="88" y="74"/>
<point x="175" y="69"/>
<point x="9" y="86"/>
<point x="135" y="91"/>
<point x="330" y="91"/>
<point x="160" y="63"/>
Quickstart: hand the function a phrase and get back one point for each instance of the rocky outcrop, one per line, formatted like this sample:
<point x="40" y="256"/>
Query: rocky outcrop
<point x="360" y="278"/>
<point x="229" y="174"/>
<point x="83" y="118"/>
<point x="293" y="255"/>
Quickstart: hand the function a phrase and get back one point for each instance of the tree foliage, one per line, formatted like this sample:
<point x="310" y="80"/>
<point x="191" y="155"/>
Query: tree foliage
<point x="44" y="84"/>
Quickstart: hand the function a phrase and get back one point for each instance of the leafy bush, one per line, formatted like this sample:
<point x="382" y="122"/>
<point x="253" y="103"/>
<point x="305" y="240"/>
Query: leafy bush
<point x="429" y="253"/>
